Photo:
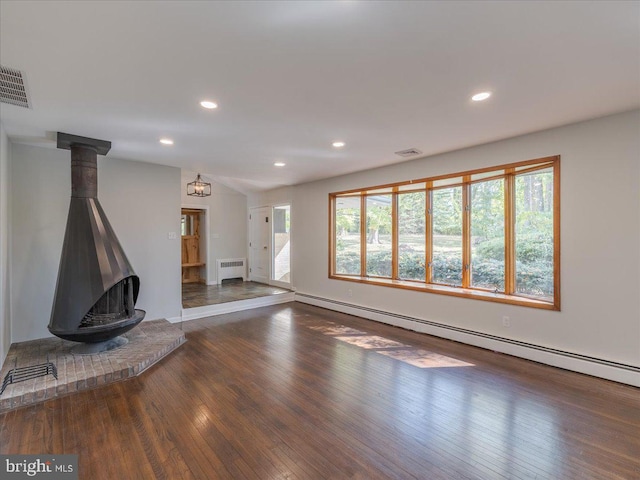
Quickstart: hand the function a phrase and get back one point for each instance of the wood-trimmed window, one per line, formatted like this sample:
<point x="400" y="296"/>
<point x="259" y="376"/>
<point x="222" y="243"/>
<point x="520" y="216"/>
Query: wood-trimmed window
<point x="491" y="234"/>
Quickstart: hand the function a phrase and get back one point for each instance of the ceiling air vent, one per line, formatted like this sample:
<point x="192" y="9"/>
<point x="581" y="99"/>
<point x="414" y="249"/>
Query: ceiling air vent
<point x="12" y="87"/>
<point x="410" y="152"/>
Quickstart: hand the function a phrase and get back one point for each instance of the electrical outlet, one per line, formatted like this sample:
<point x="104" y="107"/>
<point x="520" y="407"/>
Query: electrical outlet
<point x="506" y="321"/>
<point x="172" y="235"/>
<point x="350" y="293"/>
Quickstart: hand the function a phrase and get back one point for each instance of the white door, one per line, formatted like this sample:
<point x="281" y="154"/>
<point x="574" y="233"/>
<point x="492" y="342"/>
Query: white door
<point x="259" y="251"/>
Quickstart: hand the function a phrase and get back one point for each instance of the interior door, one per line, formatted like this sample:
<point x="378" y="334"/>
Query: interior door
<point x="259" y="244"/>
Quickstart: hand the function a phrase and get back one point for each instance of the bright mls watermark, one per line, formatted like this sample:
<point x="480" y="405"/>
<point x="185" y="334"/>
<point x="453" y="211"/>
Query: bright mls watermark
<point x="52" y="467"/>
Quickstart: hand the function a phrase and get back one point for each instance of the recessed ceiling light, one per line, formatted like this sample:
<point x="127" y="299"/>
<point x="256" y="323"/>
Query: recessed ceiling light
<point x="338" y="144"/>
<point x="208" y="104"/>
<point x="478" y="97"/>
<point x="166" y="141"/>
<point x="279" y="164"/>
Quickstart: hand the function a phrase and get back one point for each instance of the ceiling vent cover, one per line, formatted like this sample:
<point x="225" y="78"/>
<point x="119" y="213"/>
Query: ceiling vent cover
<point x="12" y="87"/>
<point x="410" y="152"/>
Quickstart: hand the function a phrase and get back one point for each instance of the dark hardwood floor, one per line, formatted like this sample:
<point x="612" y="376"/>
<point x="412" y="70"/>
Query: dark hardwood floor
<point x="285" y="392"/>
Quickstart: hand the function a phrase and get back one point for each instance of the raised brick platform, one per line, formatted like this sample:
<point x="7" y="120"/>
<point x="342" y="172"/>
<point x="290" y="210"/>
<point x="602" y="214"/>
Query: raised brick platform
<point x="148" y="343"/>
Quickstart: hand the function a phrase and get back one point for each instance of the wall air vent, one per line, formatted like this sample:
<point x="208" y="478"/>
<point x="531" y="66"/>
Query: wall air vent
<point x="12" y="87"/>
<point x="410" y="152"/>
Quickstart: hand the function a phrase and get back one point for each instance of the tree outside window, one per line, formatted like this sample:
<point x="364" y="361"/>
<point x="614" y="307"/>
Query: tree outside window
<point x="491" y="234"/>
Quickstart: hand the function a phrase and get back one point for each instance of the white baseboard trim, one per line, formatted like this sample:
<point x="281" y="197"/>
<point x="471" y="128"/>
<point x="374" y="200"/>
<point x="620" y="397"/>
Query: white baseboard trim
<point x="596" y="367"/>
<point x="229" y="307"/>
<point x="174" y="319"/>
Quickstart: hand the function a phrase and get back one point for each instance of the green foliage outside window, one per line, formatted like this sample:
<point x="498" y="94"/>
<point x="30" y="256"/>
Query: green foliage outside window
<point x="532" y="207"/>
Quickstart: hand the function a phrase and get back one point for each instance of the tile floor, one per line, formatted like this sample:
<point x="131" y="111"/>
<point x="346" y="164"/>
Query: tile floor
<point x="198" y="295"/>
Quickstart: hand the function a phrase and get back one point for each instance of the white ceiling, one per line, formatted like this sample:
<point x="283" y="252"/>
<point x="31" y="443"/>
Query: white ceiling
<point x="292" y="77"/>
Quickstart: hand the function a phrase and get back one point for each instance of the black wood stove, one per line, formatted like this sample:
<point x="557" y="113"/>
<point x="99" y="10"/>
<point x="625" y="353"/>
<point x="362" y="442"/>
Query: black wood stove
<point x="97" y="288"/>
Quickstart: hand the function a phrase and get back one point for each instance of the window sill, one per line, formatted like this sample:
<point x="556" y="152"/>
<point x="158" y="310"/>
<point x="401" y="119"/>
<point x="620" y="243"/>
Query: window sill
<point x="452" y="291"/>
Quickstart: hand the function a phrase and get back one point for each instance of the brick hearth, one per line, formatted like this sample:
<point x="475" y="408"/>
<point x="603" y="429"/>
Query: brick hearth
<point x="148" y="344"/>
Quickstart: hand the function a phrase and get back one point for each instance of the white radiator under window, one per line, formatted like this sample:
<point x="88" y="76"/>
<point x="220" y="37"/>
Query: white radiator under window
<point x="231" y="268"/>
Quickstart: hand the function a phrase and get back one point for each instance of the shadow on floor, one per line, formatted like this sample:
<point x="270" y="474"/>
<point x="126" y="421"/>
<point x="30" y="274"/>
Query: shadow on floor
<point x="198" y="295"/>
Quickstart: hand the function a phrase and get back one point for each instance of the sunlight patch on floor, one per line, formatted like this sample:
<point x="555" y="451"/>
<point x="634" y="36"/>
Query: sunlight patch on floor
<point x="372" y="341"/>
<point x="424" y="359"/>
<point x="398" y="351"/>
<point x="336" y="330"/>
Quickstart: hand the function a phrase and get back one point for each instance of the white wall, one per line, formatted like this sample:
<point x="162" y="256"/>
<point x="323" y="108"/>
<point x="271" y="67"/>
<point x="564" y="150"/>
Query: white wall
<point x="277" y="196"/>
<point x="5" y="322"/>
<point x="600" y="233"/>
<point x="142" y="202"/>
<point x="227" y="234"/>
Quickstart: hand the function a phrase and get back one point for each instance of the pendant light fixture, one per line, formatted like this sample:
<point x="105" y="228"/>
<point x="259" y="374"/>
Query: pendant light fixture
<point x="199" y="188"/>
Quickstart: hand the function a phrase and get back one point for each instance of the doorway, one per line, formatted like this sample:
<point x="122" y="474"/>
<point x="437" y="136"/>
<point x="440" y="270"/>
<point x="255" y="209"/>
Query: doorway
<point x="281" y="261"/>
<point x="193" y="240"/>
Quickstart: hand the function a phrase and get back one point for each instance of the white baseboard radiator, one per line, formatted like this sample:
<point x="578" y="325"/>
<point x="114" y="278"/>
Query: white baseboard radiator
<point x="231" y="268"/>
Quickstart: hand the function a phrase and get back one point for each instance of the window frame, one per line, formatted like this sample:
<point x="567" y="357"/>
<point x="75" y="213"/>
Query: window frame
<point x="508" y="172"/>
<point x="393" y="233"/>
<point x="502" y="177"/>
<point x="395" y="252"/>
